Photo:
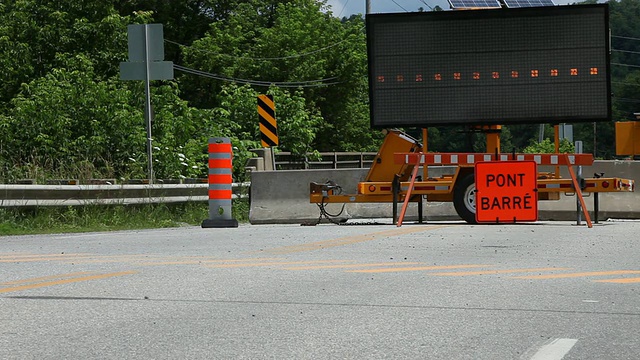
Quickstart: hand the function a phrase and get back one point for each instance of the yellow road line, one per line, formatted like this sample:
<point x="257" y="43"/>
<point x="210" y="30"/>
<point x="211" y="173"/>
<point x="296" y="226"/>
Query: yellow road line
<point x="621" y="281"/>
<point x="418" y="268"/>
<point x="44" y="257"/>
<point x="349" y="266"/>
<point x="153" y="257"/>
<point x="65" y="281"/>
<point x="197" y="262"/>
<point x="148" y="259"/>
<point x="43" y="278"/>
<point x="98" y="261"/>
<point x="92" y="257"/>
<point x="581" y="274"/>
<point x="140" y="256"/>
<point x="227" y="266"/>
<point x="69" y="259"/>
<point x="494" y="272"/>
<point x="20" y="256"/>
<point x="349" y="240"/>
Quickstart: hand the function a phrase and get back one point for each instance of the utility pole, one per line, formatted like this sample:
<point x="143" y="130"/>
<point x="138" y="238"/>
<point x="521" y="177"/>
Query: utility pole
<point x="147" y="107"/>
<point x="146" y="62"/>
<point x="368" y="7"/>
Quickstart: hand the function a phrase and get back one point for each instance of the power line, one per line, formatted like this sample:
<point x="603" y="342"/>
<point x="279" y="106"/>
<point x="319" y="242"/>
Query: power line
<point x="295" y="84"/>
<point x="626" y="51"/>
<point x="252" y="82"/>
<point x="627" y="65"/>
<point x="343" y="7"/>
<point x="394" y="1"/>
<point x="624" y="83"/>
<point x="260" y="59"/>
<point x="626" y="100"/>
<point x="312" y="83"/>
<point x="429" y="6"/>
<point x="329" y="46"/>
<point x="625" y="37"/>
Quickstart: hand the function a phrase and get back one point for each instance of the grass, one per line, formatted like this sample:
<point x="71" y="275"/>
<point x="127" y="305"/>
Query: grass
<point x="50" y="220"/>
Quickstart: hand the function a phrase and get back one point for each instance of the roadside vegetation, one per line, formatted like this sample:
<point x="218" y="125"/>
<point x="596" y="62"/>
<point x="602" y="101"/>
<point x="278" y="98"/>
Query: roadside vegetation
<point x="73" y="219"/>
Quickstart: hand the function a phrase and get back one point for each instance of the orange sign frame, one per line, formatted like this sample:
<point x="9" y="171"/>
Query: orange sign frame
<point x="506" y="191"/>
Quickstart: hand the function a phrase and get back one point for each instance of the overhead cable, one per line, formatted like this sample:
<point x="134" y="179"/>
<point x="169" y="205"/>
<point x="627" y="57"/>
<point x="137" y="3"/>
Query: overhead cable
<point x="343" y="7"/>
<point x="626" y="100"/>
<point x="258" y="58"/>
<point x="429" y="6"/>
<point x="624" y="83"/>
<point x="626" y="51"/>
<point x="291" y="84"/>
<point x="625" y="37"/>
<point x="395" y="2"/>
<point x="628" y="65"/>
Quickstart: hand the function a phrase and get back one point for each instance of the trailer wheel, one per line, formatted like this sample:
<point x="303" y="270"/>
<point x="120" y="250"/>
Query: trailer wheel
<point x="464" y="198"/>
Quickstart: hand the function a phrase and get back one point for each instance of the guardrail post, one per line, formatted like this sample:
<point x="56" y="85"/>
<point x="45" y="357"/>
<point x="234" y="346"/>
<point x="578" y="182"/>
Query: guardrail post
<point x="220" y="183"/>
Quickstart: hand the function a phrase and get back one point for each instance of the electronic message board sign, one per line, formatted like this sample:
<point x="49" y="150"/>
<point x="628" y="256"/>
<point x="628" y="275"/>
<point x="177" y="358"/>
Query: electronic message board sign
<point x="498" y="66"/>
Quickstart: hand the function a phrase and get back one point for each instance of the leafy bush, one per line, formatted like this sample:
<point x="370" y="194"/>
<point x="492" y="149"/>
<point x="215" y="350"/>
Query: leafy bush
<point x="548" y="147"/>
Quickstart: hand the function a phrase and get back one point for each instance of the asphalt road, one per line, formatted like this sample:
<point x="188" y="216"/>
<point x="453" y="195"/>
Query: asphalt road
<point x="550" y="290"/>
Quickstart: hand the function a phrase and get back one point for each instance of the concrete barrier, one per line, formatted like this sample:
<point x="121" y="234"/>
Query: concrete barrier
<point x="282" y="197"/>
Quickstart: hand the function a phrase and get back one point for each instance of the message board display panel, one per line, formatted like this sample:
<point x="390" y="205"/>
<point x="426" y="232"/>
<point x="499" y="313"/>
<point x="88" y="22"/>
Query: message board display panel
<point x="502" y="66"/>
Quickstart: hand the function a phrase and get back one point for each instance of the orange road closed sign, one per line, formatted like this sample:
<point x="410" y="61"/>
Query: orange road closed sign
<point x="506" y="191"/>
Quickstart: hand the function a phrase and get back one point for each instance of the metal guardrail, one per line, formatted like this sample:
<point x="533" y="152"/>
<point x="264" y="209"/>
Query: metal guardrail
<point x="25" y="193"/>
<point x="311" y="161"/>
<point x="326" y="160"/>
<point x="74" y="195"/>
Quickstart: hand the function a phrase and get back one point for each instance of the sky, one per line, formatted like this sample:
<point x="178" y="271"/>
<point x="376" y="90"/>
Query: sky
<point x="342" y="8"/>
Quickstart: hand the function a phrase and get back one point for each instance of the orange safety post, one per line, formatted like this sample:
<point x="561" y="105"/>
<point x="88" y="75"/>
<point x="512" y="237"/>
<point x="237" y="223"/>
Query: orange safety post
<point x="556" y="141"/>
<point x="493" y="138"/>
<point x="578" y="192"/>
<point x="425" y="168"/>
<point x="220" y="184"/>
<point x="414" y="174"/>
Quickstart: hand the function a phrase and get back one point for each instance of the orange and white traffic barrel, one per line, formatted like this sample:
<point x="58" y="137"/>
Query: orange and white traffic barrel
<point x="220" y="182"/>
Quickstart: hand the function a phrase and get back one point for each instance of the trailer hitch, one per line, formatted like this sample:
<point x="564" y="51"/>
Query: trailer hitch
<point x="328" y="188"/>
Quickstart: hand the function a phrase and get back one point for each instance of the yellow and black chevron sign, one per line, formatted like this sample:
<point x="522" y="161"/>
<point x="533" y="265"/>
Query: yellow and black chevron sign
<point x="268" y="127"/>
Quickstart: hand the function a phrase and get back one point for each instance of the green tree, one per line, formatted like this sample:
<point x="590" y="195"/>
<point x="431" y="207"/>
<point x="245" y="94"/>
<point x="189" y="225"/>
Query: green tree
<point x="297" y="126"/>
<point x="548" y="147"/>
<point x="66" y="118"/>
<point x="298" y="45"/>
<point x="34" y="33"/>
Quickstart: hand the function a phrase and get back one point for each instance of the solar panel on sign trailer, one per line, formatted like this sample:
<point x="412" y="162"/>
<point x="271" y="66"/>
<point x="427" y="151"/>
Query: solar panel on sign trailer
<point x="474" y="4"/>
<point x="528" y="3"/>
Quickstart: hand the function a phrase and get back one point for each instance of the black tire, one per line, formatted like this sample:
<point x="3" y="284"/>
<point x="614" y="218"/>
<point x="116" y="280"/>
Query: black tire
<point x="464" y="199"/>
